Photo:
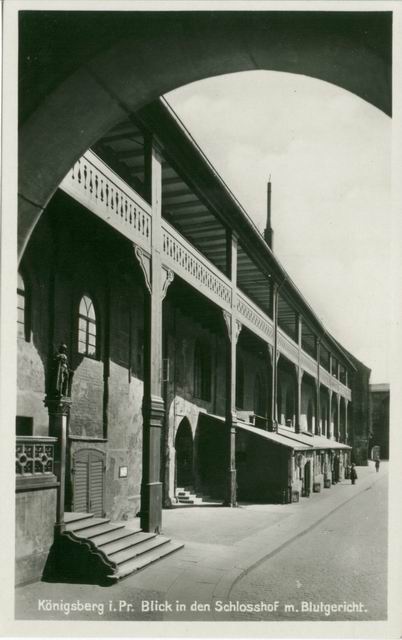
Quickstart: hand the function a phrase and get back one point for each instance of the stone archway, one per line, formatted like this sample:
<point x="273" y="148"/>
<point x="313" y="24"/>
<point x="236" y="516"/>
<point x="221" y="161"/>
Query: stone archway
<point x="106" y="65"/>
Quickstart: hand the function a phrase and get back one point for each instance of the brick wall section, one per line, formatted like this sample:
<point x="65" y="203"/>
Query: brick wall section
<point x="358" y="413"/>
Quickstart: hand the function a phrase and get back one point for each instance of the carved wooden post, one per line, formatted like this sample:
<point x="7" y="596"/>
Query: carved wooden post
<point x="153" y="405"/>
<point x="299" y="373"/>
<point x="299" y="377"/>
<point x="58" y="402"/>
<point x="318" y="427"/>
<point x="330" y="424"/>
<point x="273" y="417"/>
<point x="338" y="417"/>
<point x="233" y="330"/>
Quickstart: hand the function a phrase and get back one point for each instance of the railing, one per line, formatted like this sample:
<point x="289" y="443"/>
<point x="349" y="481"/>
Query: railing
<point x="255" y="319"/>
<point x="103" y="192"/>
<point x="288" y="347"/>
<point x="308" y="364"/>
<point x="325" y="377"/>
<point x="334" y="384"/>
<point x="344" y="391"/>
<point x="92" y="183"/>
<point x="35" y="462"/>
<point x="180" y="256"/>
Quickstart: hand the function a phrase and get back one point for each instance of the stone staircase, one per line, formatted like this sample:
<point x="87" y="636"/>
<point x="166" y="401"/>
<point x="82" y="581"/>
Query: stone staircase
<point x="121" y="550"/>
<point x="186" y="496"/>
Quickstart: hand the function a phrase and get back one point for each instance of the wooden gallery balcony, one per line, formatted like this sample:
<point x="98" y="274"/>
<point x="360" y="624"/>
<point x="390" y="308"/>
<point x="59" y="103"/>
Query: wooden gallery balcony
<point x="103" y="192"/>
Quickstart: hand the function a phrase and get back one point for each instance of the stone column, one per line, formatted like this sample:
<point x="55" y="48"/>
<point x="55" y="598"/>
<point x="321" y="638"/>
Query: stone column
<point x="233" y="330"/>
<point x="346" y="422"/>
<point x="58" y="402"/>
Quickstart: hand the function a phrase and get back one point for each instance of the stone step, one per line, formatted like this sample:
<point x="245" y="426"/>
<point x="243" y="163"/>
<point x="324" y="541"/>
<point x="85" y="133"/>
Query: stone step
<point x="85" y="523"/>
<point x="134" y="538"/>
<point x="75" y="516"/>
<point x="128" y="549"/>
<point x="114" y="535"/>
<point x="145" y="560"/>
<point x="120" y="557"/>
<point x="93" y="532"/>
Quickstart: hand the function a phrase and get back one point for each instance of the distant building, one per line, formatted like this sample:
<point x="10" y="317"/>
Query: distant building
<point x="379" y="420"/>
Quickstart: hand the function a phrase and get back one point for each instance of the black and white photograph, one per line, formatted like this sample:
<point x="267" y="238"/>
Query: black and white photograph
<point x="198" y="334"/>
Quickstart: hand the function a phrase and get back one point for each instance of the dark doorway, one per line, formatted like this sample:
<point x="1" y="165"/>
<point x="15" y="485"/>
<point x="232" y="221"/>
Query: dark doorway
<point x="307" y="479"/>
<point x="336" y="468"/>
<point x="184" y="455"/>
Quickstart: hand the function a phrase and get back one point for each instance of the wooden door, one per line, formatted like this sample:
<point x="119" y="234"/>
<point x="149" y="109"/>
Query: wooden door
<point x="88" y="481"/>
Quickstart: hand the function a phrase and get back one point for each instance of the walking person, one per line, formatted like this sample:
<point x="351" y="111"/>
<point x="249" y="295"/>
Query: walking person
<point x="353" y="473"/>
<point x="377" y="464"/>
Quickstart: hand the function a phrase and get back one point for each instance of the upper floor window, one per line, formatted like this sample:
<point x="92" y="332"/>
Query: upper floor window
<point x="23" y="328"/>
<point x="202" y="371"/>
<point x="87" y="327"/>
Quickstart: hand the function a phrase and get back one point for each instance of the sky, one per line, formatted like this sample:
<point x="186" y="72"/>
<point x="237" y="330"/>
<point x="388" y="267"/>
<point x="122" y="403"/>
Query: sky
<point x="329" y="156"/>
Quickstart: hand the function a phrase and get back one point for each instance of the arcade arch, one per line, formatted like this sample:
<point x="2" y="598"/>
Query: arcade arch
<point x="125" y="73"/>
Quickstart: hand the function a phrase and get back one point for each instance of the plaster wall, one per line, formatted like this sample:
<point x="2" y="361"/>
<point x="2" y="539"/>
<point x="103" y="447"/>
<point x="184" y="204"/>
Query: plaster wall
<point x="35" y="515"/>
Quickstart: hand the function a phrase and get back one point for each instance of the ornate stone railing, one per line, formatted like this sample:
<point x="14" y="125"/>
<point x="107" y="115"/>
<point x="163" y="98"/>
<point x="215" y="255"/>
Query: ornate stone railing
<point x="308" y="364"/>
<point x="288" y="347"/>
<point x="325" y="377"/>
<point x="35" y="462"/>
<point x="97" y="187"/>
<point x="179" y="255"/>
<point x="254" y="318"/>
<point x="345" y="391"/>
<point x="103" y="192"/>
<point x="334" y="384"/>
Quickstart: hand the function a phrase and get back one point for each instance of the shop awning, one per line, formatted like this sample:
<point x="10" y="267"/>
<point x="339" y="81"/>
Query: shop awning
<point x="274" y="437"/>
<point x="289" y="439"/>
<point x="314" y="442"/>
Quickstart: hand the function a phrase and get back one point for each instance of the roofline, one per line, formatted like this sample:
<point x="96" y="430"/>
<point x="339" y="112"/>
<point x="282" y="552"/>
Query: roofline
<point x="245" y="219"/>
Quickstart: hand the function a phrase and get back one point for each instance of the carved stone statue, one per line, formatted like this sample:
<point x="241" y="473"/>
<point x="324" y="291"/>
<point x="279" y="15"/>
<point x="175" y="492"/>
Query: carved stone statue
<point x="60" y="373"/>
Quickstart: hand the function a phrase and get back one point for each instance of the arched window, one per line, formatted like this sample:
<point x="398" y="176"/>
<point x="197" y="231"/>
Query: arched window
<point x="23" y="325"/>
<point x="240" y="383"/>
<point x="202" y="371"/>
<point x="87" y="327"/>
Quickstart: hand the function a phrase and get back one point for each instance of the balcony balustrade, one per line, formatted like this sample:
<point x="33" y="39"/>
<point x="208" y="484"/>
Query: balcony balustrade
<point x="179" y="255"/>
<point x="97" y="187"/>
<point x="288" y="347"/>
<point x="35" y="462"/>
<point x="92" y="183"/>
<point x="254" y="318"/>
